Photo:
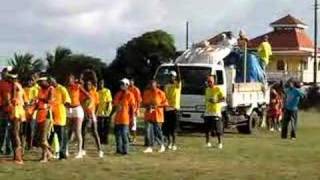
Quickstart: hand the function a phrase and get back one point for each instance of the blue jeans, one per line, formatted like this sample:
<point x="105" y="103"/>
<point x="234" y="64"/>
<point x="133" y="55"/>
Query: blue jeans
<point x="5" y="139"/>
<point x="122" y="138"/>
<point x="154" y="133"/>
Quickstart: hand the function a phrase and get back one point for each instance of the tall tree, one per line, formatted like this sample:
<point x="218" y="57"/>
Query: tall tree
<point x="56" y="59"/>
<point x="25" y="65"/>
<point x="140" y="57"/>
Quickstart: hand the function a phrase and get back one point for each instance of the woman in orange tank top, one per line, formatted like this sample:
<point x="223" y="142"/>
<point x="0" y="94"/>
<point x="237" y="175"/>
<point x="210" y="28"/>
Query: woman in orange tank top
<point x="75" y="112"/>
<point x="89" y="106"/>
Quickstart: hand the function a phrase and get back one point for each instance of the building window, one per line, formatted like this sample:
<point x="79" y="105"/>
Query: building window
<point x="305" y="65"/>
<point x="280" y="65"/>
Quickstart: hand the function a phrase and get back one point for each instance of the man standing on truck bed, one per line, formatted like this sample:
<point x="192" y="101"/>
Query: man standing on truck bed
<point x="213" y="118"/>
<point x="173" y="94"/>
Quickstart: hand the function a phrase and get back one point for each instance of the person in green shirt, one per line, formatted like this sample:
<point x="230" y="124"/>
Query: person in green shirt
<point x="214" y="96"/>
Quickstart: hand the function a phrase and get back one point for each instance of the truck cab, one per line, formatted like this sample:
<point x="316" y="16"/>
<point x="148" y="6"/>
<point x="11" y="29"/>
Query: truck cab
<point x="193" y="77"/>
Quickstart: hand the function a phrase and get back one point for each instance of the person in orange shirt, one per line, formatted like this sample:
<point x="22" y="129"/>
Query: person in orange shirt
<point x="124" y="105"/>
<point x="154" y="101"/>
<point x="16" y="115"/>
<point x="137" y="98"/>
<point x="44" y="116"/>
<point x="75" y="112"/>
<point x="89" y="106"/>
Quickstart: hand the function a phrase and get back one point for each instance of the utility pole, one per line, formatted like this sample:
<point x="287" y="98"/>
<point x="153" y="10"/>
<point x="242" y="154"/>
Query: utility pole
<point x="187" y="35"/>
<point x="315" y="56"/>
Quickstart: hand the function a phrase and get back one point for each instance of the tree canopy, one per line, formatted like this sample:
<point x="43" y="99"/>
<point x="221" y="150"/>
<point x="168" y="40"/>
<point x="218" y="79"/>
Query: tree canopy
<point x="140" y="57"/>
<point x="25" y="65"/>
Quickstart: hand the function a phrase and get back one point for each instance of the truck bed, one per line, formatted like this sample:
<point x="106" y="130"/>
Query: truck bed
<point x="247" y="94"/>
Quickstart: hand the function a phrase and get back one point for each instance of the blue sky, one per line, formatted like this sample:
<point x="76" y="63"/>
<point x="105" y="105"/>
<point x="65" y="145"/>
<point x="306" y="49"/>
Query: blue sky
<point x="98" y="27"/>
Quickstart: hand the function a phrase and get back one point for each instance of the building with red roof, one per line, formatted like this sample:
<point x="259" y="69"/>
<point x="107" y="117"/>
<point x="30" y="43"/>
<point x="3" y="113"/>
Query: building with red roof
<point x="292" y="50"/>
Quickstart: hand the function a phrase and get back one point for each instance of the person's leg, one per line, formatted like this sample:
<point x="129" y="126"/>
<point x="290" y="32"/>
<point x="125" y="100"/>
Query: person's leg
<point x="95" y="134"/>
<point x="100" y="128"/>
<point x="78" y="134"/>
<point x="125" y="140"/>
<point x="294" y="123"/>
<point x="16" y="141"/>
<point x="134" y="130"/>
<point x="43" y="128"/>
<point x="219" y="130"/>
<point x="8" y="137"/>
<point x="207" y="128"/>
<point x="3" y="125"/>
<point x="159" y="135"/>
<point x="286" y="119"/>
<point x="165" y="129"/>
<point x="173" y="128"/>
<point x="107" y="123"/>
<point x="150" y="142"/>
<point x="84" y="131"/>
<point x="117" y="133"/>
<point x="28" y="135"/>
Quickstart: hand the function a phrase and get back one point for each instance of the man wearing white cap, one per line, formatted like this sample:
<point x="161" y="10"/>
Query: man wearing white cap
<point x="173" y="94"/>
<point x="124" y="105"/>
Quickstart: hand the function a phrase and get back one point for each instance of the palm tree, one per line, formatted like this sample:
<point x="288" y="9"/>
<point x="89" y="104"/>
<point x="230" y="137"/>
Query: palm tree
<point x="25" y="65"/>
<point x="55" y="60"/>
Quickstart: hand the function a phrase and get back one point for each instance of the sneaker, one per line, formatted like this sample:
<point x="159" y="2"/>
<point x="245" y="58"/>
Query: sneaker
<point x="279" y="129"/>
<point x="148" y="150"/>
<point x="162" y="149"/>
<point x="293" y="139"/>
<point x="170" y="146"/>
<point x="174" y="148"/>
<point x="84" y="153"/>
<point x="272" y="129"/>
<point x="100" y="154"/>
<point x="208" y="145"/>
<point x="220" y="146"/>
<point x="79" y="155"/>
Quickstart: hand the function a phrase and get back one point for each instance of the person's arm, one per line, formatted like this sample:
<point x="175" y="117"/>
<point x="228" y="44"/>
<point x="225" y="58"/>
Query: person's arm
<point x="178" y="73"/>
<point x="86" y="93"/>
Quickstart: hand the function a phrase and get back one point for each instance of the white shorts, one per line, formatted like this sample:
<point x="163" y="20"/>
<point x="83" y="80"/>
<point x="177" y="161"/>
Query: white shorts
<point x="134" y="124"/>
<point x="76" y="112"/>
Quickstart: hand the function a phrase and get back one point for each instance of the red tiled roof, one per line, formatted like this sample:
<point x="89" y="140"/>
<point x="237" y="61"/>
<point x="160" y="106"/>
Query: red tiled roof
<point x="287" y="20"/>
<point x="285" y="40"/>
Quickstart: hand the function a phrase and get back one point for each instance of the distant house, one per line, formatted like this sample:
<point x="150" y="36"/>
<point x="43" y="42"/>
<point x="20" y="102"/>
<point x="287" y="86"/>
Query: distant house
<point x="292" y="50"/>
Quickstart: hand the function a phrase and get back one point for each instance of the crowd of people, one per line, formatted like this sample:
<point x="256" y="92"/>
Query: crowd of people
<point x="40" y="112"/>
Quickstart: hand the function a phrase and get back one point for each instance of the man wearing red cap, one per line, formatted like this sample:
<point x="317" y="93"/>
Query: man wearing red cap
<point x="214" y="96"/>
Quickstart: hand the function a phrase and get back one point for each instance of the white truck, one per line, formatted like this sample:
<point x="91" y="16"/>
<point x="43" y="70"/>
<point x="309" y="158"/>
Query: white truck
<point x="245" y="103"/>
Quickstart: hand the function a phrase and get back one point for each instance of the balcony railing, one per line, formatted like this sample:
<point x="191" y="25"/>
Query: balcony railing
<point x="274" y="76"/>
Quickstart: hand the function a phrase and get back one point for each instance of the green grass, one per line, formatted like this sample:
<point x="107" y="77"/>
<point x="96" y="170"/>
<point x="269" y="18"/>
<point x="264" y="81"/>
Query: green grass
<point x="260" y="156"/>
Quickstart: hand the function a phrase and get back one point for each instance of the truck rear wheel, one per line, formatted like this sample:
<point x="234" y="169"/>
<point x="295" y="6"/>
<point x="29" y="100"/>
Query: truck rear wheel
<point x="250" y="125"/>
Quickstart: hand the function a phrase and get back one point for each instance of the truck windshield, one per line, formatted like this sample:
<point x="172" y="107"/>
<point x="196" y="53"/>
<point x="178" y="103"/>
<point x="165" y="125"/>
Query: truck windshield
<point x="193" y="78"/>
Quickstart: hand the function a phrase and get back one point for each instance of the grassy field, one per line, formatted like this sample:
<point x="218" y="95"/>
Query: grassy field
<point x="260" y="156"/>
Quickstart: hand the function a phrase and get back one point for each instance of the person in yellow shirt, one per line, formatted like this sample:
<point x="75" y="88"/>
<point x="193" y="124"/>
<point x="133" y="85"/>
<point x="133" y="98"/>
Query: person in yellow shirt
<point x="173" y="94"/>
<point x="31" y="94"/>
<point x="265" y="51"/>
<point x="61" y="101"/>
<point x="214" y="96"/>
<point x="103" y="112"/>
